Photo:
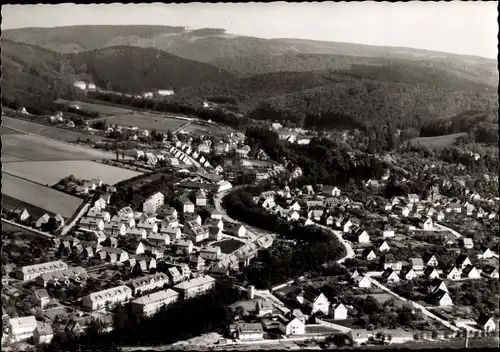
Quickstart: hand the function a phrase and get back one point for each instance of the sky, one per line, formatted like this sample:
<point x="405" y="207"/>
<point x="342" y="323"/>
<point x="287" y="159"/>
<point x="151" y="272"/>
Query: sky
<point x="456" y="27"/>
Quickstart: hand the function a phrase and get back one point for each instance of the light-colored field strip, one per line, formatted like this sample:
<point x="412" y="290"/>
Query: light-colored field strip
<point x="40" y="196"/>
<point x="54" y="171"/>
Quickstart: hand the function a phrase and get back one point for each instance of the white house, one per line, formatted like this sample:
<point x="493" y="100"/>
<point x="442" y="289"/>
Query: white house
<point x="471" y="272"/>
<point x="426" y="223"/>
<point x="188" y="207"/>
<point x="316" y="301"/>
<point x="294" y="327"/>
<point x="384" y="247"/>
<point x="363" y="281"/>
<point x="339" y="312"/>
<point x="468" y="243"/>
<point x="153" y="203"/>
<point x="442" y="298"/>
<point x="101" y="299"/>
<point x="486" y="323"/>
<point x="235" y="229"/>
<point x="22" y="328"/>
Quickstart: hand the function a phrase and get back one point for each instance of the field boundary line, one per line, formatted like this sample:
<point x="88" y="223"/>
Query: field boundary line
<point x="25" y="179"/>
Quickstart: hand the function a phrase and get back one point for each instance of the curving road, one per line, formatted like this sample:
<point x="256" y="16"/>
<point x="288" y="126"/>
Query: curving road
<point x="348" y="248"/>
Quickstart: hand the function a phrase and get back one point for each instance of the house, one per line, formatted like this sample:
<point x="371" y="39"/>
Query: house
<point x="315" y="214"/>
<point x="115" y="229"/>
<point x="94" y="224"/>
<point x="98" y="212"/>
<point x="188" y="207"/>
<point x="426" y="223"/>
<point x="439" y="216"/>
<point x="189" y="217"/>
<point x="329" y="220"/>
<point x="384" y="247"/>
<point x="31" y="272"/>
<point x="390" y="276"/>
<point x="112" y="253"/>
<point x="308" y="190"/>
<point x="246" y="331"/>
<point x="431" y="272"/>
<point x="363" y="281"/>
<point x="40" y="298"/>
<point x="369" y="254"/>
<point x="43" y="333"/>
<point x="486" y="323"/>
<point x="361" y="235"/>
<point x="462" y="261"/>
<point x="471" y="272"/>
<point x="417" y="264"/>
<point x="150" y="227"/>
<point x="263" y="308"/>
<point x="295" y="326"/>
<point x="339" y="311"/>
<point x="442" y="298"/>
<point x="197" y="262"/>
<point x="148" y="283"/>
<point x="235" y="229"/>
<point x="468" y="208"/>
<point x="407" y="273"/>
<point x="186" y="246"/>
<point x="308" y="222"/>
<point x="468" y="243"/>
<point x="174" y="275"/>
<point x="21" y="214"/>
<point x="293" y="215"/>
<point x="315" y="300"/>
<point x="388" y="232"/>
<point x="150" y="304"/>
<point x="105" y="298"/>
<point x="413" y="198"/>
<point x="358" y="336"/>
<point x="137" y="233"/>
<point x="331" y="191"/>
<point x="42" y="220"/>
<point x="153" y="203"/>
<point x="159" y="239"/>
<point x="431" y="260"/>
<point x="401" y="210"/>
<point x="211" y="253"/>
<point x="201" y="198"/>
<point x="22" y="328"/>
<point x="391" y="262"/>
<point x="490" y="272"/>
<point x="451" y="273"/>
<point x="194" y="287"/>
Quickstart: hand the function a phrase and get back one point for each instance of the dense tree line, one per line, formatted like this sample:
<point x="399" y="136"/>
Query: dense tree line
<point x="313" y="246"/>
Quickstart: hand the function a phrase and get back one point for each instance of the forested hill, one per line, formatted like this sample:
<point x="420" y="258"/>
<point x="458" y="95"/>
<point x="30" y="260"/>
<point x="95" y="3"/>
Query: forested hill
<point x="134" y="69"/>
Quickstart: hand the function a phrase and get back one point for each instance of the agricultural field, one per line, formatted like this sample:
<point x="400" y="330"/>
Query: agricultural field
<point x="6" y="130"/>
<point x="28" y="147"/>
<point x="39" y="196"/>
<point x="57" y="170"/>
<point x="437" y="142"/>
<point x="213" y="130"/>
<point x="46" y="131"/>
<point x="146" y="121"/>
<point x="228" y="246"/>
<point x="100" y="108"/>
<point x="10" y="203"/>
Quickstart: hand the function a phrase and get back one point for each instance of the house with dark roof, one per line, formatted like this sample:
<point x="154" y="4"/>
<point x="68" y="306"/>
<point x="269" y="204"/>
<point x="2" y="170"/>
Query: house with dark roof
<point x="490" y="272"/>
<point x="486" y="323"/>
<point x="441" y="298"/>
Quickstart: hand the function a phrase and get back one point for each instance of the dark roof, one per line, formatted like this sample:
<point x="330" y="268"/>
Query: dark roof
<point x="467" y="269"/>
<point x="461" y="258"/>
<point x="387" y="272"/>
<point x="483" y="319"/>
<point x="488" y="269"/>
<point x="439" y="294"/>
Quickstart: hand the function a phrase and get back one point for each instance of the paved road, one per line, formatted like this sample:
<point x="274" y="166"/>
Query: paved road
<point x="453" y="232"/>
<point x="349" y="251"/>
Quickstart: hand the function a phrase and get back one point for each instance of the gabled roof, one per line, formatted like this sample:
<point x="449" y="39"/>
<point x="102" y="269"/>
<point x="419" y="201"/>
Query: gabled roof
<point x="483" y="319"/>
<point x="439" y="294"/>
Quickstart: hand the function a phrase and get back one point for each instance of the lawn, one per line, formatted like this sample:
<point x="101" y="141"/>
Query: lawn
<point x="39" y="196"/>
<point x="30" y="147"/>
<point x="146" y="121"/>
<point x="45" y="131"/>
<point x="437" y="141"/>
<point x="56" y="170"/>
<point x="228" y="246"/>
<point x="100" y="108"/>
<point x="6" y="130"/>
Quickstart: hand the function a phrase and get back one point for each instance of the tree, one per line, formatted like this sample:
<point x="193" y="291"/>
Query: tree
<point x="51" y="225"/>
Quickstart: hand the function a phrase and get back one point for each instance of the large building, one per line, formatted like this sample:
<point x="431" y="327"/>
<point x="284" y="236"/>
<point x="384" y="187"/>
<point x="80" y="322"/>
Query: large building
<point x="153" y="203"/>
<point x="149" y="282"/>
<point x="152" y="303"/>
<point x="31" y="272"/>
<point x="22" y="328"/>
<point x="62" y="276"/>
<point x="101" y="299"/>
<point x="194" y="287"/>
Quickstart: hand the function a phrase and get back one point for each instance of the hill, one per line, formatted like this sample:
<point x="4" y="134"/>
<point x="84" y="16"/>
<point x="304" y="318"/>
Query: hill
<point x="134" y="69"/>
<point x="32" y="72"/>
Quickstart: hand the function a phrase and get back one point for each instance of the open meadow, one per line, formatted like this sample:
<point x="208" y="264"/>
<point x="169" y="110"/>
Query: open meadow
<point x="100" y="108"/>
<point x="437" y="142"/>
<point x="146" y="121"/>
<point x="28" y="147"/>
<point x="215" y="130"/>
<point x="39" y="196"/>
<point x="54" y="171"/>
<point x="13" y="124"/>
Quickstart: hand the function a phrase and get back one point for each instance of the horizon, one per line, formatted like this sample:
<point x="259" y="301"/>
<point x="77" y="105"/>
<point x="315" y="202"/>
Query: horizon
<point x="465" y="32"/>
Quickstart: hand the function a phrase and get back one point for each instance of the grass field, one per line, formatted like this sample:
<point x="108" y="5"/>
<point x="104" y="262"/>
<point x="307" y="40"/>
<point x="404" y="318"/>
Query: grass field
<point x="100" y="108"/>
<point x="39" y="196"/>
<point x="146" y="121"/>
<point x="56" y="170"/>
<point x="229" y="245"/>
<point x="437" y="141"/>
<point x="213" y="130"/>
<point x="10" y="203"/>
<point x="6" y="130"/>
<point x="17" y="147"/>
<point x="45" y="131"/>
